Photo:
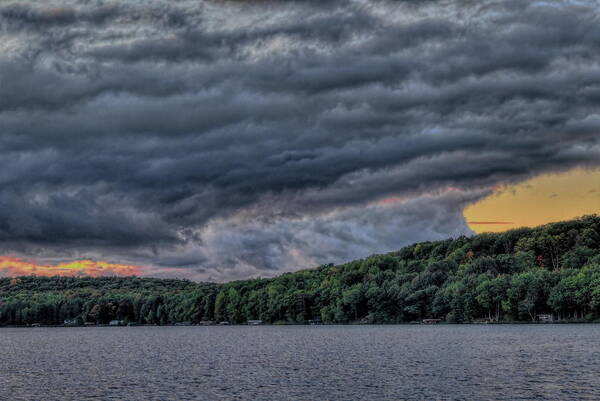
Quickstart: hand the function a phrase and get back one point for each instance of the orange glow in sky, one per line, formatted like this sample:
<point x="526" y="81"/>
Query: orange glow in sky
<point x="540" y="200"/>
<point x="12" y="267"/>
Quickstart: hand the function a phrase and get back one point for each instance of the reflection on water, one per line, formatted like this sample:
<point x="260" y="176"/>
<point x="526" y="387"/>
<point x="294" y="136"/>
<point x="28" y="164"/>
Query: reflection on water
<point x="495" y="362"/>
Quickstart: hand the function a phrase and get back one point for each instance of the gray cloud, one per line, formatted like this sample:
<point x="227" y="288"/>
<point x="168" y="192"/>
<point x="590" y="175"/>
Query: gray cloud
<point x="225" y="137"/>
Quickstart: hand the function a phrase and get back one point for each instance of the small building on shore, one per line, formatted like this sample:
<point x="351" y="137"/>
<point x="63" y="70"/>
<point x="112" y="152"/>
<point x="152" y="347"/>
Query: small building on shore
<point x="255" y="322"/>
<point x="116" y="323"/>
<point x="545" y="317"/>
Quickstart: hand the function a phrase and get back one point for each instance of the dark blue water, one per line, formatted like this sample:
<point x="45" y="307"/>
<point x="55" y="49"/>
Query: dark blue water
<point x="486" y="362"/>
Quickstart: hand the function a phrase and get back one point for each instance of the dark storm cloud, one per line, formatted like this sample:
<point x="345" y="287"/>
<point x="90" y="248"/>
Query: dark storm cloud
<point x="28" y="16"/>
<point x="223" y="136"/>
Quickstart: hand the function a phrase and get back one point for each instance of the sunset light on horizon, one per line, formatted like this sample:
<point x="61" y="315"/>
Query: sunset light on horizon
<point x="11" y="267"/>
<point x="543" y="199"/>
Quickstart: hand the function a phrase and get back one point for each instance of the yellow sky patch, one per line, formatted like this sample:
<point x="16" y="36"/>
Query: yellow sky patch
<point x="540" y="200"/>
<point x="11" y="267"/>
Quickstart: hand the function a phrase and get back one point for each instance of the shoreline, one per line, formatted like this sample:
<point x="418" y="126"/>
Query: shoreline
<point x="304" y="325"/>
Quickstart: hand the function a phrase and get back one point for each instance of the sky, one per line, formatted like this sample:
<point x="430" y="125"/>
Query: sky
<point x="223" y="140"/>
<point x="540" y="200"/>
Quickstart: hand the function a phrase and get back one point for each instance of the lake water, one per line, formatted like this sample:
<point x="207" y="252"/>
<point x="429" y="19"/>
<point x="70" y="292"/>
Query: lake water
<point x="444" y="362"/>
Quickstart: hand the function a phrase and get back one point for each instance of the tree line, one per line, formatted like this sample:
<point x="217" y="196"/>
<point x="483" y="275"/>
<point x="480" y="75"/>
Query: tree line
<point x="512" y="276"/>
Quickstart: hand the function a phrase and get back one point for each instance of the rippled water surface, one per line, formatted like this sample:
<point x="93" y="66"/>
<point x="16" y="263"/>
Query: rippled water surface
<point x="496" y="362"/>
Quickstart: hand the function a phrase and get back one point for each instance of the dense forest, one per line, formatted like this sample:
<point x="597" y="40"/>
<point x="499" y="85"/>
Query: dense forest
<point x="512" y="276"/>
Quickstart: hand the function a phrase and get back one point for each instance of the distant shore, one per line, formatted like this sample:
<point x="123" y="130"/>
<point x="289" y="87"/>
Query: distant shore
<point x="36" y="326"/>
<point x="549" y="274"/>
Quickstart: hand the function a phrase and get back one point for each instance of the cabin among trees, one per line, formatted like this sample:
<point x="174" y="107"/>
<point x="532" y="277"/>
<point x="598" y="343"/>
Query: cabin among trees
<point x="519" y="275"/>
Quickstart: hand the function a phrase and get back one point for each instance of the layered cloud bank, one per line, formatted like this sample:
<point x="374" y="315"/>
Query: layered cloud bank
<point x="234" y="139"/>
